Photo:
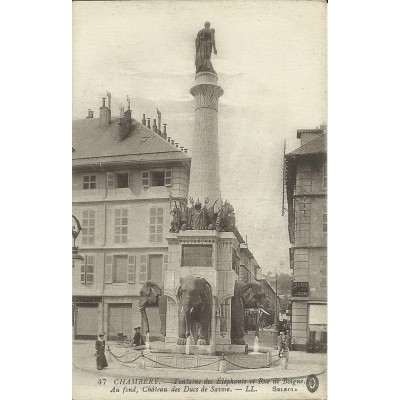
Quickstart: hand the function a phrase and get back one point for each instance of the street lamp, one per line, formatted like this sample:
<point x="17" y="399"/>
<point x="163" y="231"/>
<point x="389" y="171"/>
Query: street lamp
<point x="75" y="233"/>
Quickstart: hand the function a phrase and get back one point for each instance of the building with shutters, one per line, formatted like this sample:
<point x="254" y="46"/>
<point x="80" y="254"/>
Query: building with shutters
<point x="124" y="173"/>
<point x="306" y="182"/>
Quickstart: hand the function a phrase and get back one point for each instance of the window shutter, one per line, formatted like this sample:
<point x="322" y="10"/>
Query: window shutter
<point x="108" y="271"/>
<point x="110" y="180"/>
<point x="145" y="178"/>
<point x="143" y="268"/>
<point x="131" y="269"/>
<point x="168" y="177"/>
<point x="89" y="268"/>
<point x="83" y="275"/>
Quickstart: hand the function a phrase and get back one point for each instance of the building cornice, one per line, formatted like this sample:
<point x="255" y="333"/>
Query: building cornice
<point x="319" y="194"/>
<point x="120" y="200"/>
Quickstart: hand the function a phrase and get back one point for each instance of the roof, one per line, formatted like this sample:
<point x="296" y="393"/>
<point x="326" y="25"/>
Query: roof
<point x="316" y="146"/>
<point x="93" y="143"/>
<point x="314" y="131"/>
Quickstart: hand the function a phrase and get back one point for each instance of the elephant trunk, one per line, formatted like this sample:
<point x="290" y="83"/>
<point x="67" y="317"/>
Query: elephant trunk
<point x="144" y="317"/>
<point x="259" y="320"/>
<point x="188" y="324"/>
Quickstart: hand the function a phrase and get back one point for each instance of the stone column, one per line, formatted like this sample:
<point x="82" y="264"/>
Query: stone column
<point x="204" y="171"/>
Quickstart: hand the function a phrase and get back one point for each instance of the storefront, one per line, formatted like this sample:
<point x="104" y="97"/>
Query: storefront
<point x="86" y="313"/>
<point x="317" y="337"/>
<point x="119" y="321"/>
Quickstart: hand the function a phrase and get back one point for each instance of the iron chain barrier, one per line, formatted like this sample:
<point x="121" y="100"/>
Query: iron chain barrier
<point x="222" y="358"/>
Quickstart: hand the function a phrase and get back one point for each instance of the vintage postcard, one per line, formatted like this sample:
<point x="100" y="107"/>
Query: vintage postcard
<point x="199" y="226"/>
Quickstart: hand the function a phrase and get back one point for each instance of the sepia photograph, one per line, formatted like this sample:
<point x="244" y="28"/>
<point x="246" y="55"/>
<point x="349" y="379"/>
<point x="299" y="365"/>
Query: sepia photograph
<point x="199" y="199"/>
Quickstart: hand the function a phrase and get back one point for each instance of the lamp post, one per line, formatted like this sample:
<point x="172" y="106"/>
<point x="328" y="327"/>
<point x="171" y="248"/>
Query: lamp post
<point x="75" y="233"/>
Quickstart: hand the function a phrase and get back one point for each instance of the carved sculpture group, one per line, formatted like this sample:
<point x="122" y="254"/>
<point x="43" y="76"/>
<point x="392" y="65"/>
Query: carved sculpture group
<point x="195" y="306"/>
<point x="199" y="217"/>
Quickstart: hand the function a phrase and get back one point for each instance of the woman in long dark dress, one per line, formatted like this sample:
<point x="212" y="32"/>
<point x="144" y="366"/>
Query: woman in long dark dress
<point x="100" y="350"/>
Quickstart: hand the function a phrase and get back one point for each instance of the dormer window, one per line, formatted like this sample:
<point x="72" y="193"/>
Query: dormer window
<point x="89" y="181"/>
<point x="122" y="180"/>
<point x="157" y="178"/>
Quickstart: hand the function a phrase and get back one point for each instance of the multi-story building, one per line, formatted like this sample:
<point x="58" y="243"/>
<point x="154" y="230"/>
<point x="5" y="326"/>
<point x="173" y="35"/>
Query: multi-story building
<point x="306" y="181"/>
<point x="126" y="177"/>
<point x="124" y="174"/>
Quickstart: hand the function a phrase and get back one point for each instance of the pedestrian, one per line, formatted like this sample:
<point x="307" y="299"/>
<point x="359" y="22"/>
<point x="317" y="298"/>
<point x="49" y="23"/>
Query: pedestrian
<point x="285" y="355"/>
<point x="137" y="338"/>
<point x="101" y="360"/>
<point x="288" y="340"/>
<point x="281" y="341"/>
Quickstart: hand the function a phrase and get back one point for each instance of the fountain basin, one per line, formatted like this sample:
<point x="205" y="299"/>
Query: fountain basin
<point x="206" y="362"/>
<point x="210" y="349"/>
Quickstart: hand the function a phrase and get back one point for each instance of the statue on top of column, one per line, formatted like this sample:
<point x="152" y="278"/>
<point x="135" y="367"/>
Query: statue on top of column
<point x="205" y="43"/>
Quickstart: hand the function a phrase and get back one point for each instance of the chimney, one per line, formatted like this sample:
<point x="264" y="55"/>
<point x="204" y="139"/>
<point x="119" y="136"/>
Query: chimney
<point x="186" y="150"/>
<point x="159" y="121"/>
<point x="307" y="135"/>
<point x="124" y="123"/>
<point x="172" y="141"/>
<point x="169" y="139"/>
<point x="154" y="125"/>
<point x="104" y="114"/>
<point x="164" y="134"/>
<point x="128" y="121"/>
<point x="181" y="148"/>
<point x="176" y="145"/>
<point x="109" y="107"/>
<point x="90" y="113"/>
<point x="148" y="123"/>
<point x="144" y="120"/>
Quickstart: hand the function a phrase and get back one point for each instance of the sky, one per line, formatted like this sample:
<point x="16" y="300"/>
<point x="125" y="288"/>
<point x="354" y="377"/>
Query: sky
<point x="271" y="64"/>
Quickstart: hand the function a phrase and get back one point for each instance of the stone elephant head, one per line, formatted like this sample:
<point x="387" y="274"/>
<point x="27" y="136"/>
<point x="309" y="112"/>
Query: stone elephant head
<point x="247" y="295"/>
<point x="194" y="309"/>
<point x="151" y="295"/>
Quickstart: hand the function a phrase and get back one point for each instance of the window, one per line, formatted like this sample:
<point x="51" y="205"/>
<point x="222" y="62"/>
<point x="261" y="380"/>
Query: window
<point x="323" y="271"/>
<point x="89" y="181"/>
<point x="157" y="178"/>
<point x="88" y="226"/>
<point x="156" y="224"/>
<point x="122" y="180"/>
<point x="120" y="269"/>
<point x="145" y="178"/>
<point x="121" y="225"/>
<point x="325" y="223"/>
<point x="110" y="180"/>
<point x="324" y="176"/>
<point x="87" y="270"/>
<point x="143" y="268"/>
<point x="168" y="177"/>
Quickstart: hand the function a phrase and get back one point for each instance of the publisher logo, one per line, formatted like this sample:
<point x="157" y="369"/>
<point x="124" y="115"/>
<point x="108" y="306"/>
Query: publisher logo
<point x="312" y="383"/>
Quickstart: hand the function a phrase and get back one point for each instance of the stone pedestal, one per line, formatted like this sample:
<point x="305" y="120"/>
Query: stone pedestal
<point x="219" y="274"/>
<point x="204" y="171"/>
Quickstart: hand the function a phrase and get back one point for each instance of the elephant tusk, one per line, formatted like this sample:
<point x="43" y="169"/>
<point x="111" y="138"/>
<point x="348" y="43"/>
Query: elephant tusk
<point x="191" y="310"/>
<point x="182" y="309"/>
<point x="264" y="311"/>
